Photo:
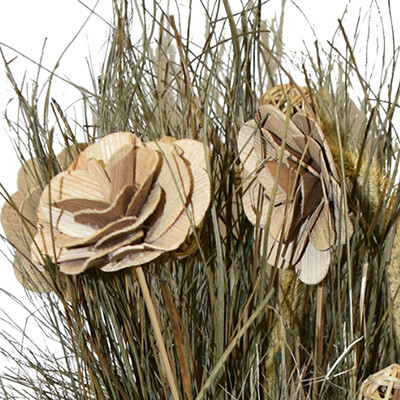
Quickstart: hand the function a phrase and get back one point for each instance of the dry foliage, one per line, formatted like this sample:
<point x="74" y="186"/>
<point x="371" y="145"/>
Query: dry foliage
<point x="233" y="326"/>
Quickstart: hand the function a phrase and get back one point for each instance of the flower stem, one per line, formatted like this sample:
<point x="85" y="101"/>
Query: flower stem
<point x="157" y="332"/>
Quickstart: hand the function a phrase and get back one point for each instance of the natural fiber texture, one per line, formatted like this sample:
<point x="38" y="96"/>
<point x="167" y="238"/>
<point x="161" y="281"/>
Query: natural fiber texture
<point x="19" y="219"/>
<point x="122" y="203"/>
<point x="292" y="190"/>
<point x="288" y="96"/>
<point x="393" y="271"/>
<point x="384" y="384"/>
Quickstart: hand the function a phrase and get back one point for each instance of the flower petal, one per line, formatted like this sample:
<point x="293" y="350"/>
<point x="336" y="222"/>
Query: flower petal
<point x="247" y="153"/>
<point x="176" y="181"/>
<point x="313" y="265"/>
<point x="104" y="149"/>
<point x="194" y="151"/>
<point x="101" y="218"/>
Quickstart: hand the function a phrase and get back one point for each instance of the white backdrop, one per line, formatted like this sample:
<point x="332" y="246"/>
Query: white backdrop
<point x="24" y="25"/>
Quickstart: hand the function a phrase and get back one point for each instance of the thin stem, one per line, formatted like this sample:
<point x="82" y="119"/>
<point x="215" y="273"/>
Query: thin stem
<point x="157" y="332"/>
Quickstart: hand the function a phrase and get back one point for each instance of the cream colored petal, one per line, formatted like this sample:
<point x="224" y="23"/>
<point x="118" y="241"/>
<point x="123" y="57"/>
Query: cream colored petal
<point x="78" y="184"/>
<point x="132" y="259"/>
<point x="68" y="155"/>
<point x="278" y="253"/>
<point x="96" y="170"/>
<point x="101" y="218"/>
<point x="77" y="253"/>
<point x="173" y="237"/>
<point x="268" y="181"/>
<point x="63" y="221"/>
<point x="194" y="151"/>
<point x="247" y="153"/>
<point x="322" y="235"/>
<point x="41" y="245"/>
<point x="120" y="169"/>
<point x="255" y="203"/>
<point x="147" y="166"/>
<point x="73" y="267"/>
<point x="176" y="181"/>
<point x="11" y="221"/>
<point x="198" y="205"/>
<point x="103" y="149"/>
<point x="29" y="176"/>
<point x="120" y="239"/>
<point x="30" y="276"/>
<point x="201" y="195"/>
<point x="164" y="147"/>
<point x="313" y="265"/>
<point x="69" y="241"/>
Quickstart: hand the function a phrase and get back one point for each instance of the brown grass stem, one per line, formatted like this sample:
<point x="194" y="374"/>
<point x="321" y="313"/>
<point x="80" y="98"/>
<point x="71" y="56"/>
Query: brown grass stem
<point x="157" y="332"/>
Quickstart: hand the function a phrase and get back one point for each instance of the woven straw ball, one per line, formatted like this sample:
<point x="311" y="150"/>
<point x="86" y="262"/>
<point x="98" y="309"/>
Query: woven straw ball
<point x="384" y="384"/>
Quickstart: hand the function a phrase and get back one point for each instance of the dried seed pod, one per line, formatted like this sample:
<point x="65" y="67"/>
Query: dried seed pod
<point x="122" y="203"/>
<point x="289" y="173"/>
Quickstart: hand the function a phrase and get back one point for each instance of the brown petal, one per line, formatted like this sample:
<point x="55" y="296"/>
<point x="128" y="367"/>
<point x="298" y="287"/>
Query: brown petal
<point x="313" y="265"/>
<point x="312" y="128"/>
<point x="76" y="204"/>
<point x="276" y="122"/>
<point x="311" y="188"/>
<point x="101" y="218"/>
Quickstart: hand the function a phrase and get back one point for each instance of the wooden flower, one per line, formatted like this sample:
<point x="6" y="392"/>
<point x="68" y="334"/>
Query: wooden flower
<point x="291" y="181"/>
<point x="19" y="219"/>
<point x="122" y="203"/>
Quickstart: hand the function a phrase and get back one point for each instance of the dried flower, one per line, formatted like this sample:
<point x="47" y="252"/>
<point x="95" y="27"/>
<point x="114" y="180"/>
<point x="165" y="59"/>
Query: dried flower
<point x="122" y="203"/>
<point x="291" y="181"/>
<point x="18" y="218"/>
